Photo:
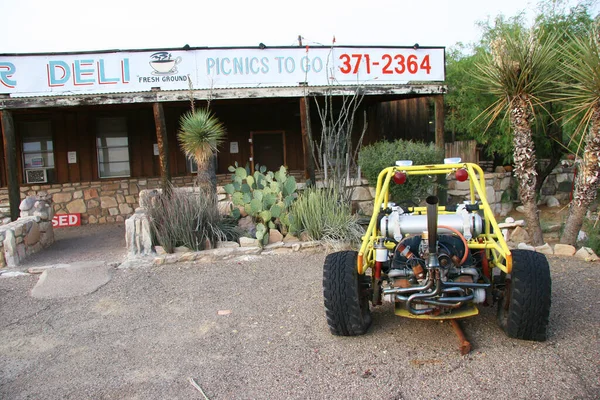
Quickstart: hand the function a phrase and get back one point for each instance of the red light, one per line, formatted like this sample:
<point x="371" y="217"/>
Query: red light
<point x="461" y="175"/>
<point x="400" y="177"/>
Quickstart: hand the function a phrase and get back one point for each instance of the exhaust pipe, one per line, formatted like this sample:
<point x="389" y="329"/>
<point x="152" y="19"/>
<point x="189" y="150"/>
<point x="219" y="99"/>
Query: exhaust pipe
<point x="432" y="222"/>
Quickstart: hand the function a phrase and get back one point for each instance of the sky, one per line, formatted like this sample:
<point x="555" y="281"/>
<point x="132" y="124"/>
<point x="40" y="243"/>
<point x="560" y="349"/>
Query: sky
<point x="38" y="26"/>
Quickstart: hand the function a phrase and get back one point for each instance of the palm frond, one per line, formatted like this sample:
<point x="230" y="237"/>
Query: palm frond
<point x="200" y="134"/>
<point x="519" y="65"/>
<point x="581" y="66"/>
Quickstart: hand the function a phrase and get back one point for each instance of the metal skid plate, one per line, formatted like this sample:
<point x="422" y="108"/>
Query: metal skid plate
<point x="465" y="312"/>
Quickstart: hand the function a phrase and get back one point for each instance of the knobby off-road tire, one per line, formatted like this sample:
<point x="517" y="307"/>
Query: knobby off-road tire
<point x="523" y="312"/>
<point x="346" y="295"/>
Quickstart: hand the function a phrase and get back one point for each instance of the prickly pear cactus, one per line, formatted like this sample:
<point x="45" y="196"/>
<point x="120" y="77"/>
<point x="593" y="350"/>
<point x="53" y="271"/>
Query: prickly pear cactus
<point x="265" y="195"/>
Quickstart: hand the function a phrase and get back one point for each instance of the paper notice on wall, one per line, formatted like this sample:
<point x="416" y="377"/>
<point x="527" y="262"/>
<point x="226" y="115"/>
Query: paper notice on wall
<point x="156" y="149"/>
<point x="233" y="147"/>
<point x="72" y="157"/>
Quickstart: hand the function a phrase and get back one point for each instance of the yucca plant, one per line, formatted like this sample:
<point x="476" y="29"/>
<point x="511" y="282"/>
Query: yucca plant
<point x="520" y="71"/>
<point x="581" y="92"/>
<point x="200" y="134"/>
<point x="324" y="215"/>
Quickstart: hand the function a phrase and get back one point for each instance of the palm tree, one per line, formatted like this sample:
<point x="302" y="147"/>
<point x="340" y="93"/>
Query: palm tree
<point x="582" y="94"/>
<point x="520" y="72"/>
<point x="200" y="133"/>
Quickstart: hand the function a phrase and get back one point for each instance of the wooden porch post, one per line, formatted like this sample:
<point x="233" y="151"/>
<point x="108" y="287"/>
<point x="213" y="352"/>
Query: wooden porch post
<point x="309" y="164"/>
<point x="10" y="160"/>
<point x="163" y="146"/>
<point x="439" y="121"/>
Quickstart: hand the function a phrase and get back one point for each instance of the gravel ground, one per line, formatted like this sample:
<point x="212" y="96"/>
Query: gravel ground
<point x="150" y="329"/>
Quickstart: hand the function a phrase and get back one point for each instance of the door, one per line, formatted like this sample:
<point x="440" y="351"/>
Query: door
<point x="268" y="149"/>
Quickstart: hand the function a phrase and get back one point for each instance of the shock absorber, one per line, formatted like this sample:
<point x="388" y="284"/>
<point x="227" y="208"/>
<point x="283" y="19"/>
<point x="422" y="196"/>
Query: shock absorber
<point x="381" y="256"/>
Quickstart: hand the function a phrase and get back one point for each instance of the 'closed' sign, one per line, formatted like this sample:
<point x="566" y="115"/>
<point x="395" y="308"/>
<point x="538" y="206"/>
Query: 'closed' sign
<point x="64" y="220"/>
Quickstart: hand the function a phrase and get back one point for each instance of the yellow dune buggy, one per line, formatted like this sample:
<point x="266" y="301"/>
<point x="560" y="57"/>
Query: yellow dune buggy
<point x="436" y="262"/>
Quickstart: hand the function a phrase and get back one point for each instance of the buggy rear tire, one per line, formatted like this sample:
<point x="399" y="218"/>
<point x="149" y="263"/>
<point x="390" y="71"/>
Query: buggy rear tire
<point x="525" y="308"/>
<point x="346" y="295"/>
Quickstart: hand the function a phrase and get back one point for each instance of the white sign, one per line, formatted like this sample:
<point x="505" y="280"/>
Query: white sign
<point x="72" y="157"/>
<point x="233" y="147"/>
<point x="114" y="72"/>
<point x="156" y="152"/>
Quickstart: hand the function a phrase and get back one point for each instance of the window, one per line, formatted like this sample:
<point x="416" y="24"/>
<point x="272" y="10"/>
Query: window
<point x="112" y="145"/>
<point x="191" y="165"/>
<point x="38" y="151"/>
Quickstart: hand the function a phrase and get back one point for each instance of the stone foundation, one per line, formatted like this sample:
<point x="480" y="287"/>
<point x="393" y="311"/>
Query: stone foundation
<point x="115" y="201"/>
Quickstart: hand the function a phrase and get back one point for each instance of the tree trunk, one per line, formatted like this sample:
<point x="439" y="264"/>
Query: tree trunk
<point x="525" y="163"/>
<point x="586" y="182"/>
<point x="163" y="148"/>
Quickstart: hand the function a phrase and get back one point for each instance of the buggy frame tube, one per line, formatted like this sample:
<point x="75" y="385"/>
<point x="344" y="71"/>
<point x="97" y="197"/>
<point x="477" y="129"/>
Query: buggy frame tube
<point x="493" y="243"/>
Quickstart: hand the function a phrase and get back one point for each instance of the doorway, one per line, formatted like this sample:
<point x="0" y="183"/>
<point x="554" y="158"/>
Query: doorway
<point x="268" y="149"/>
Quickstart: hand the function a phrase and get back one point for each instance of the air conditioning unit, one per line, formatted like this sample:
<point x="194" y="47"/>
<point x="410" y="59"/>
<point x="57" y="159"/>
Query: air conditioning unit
<point x="36" y="175"/>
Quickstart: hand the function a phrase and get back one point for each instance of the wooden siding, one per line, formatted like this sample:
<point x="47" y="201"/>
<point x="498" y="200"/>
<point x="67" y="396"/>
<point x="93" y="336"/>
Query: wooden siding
<point x="466" y="150"/>
<point x="74" y="129"/>
<point x="407" y="119"/>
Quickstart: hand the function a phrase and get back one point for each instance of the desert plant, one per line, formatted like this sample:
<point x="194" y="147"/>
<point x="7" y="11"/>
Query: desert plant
<point x="581" y="66"/>
<point x="189" y="219"/>
<point x="520" y="72"/>
<point x="373" y="158"/>
<point x="200" y="133"/>
<point x="324" y="215"/>
<point x="265" y="195"/>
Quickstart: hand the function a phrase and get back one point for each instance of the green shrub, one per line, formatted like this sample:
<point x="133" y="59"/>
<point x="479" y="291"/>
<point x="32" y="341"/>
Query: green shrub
<point x="189" y="219"/>
<point x="323" y="214"/>
<point x="377" y="156"/>
<point x="593" y="233"/>
<point x="265" y="196"/>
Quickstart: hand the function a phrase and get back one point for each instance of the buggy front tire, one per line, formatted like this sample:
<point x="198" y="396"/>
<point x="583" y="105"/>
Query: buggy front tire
<point x="346" y="295"/>
<point x="524" y="310"/>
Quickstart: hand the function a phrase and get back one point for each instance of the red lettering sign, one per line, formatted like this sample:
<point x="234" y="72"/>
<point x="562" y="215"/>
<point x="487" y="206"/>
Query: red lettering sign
<point x="65" y="220"/>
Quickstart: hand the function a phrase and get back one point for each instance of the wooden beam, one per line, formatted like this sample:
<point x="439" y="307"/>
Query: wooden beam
<point x="309" y="165"/>
<point x="163" y="146"/>
<point x="216" y="94"/>
<point x="10" y="160"/>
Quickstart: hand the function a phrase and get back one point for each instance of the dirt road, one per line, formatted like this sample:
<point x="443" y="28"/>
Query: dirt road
<point x="255" y="329"/>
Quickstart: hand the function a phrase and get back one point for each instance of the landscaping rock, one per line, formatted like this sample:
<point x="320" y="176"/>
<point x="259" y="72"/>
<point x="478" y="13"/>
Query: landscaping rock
<point x="181" y="249"/>
<point x="519" y="235"/>
<point x="247" y="225"/>
<point x="520" y="209"/>
<point x="582" y="236"/>
<point x="305" y="237"/>
<point x="249" y="242"/>
<point x="221" y="245"/>
<point x="553" y="228"/>
<point x="290" y="238"/>
<point x="552" y="201"/>
<point x="545" y="249"/>
<point x="27" y="204"/>
<point x="275" y="236"/>
<point x="587" y="254"/>
<point x="159" y="250"/>
<point x="361" y="194"/>
<point x="524" y="246"/>
<point x="564" y="250"/>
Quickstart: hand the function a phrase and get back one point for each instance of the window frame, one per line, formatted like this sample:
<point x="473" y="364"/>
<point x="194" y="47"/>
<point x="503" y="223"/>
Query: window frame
<point x="104" y="148"/>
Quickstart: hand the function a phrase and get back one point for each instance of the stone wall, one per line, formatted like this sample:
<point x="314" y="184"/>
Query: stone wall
<point x="30" y="233"/>
<point x="497" y="191"/>
<point x="98" y="202"/>
<point x="500" y="188"/>
<point x="115" y="201"/>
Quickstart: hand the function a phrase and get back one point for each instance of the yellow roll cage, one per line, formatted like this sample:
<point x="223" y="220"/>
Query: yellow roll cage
<point x="491" y="240"/>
